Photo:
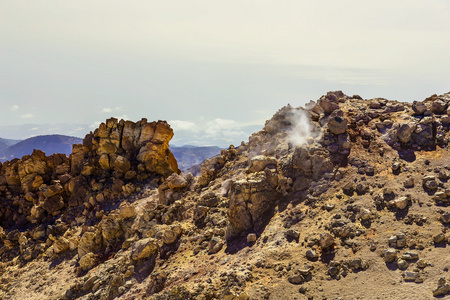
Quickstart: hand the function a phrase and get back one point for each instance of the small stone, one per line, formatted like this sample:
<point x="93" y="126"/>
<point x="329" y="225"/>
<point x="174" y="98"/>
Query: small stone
<point x="365" y="214"/>
<point x="215" y="245"/>
<point x="411" y="276"/>
<point x="395" y="166"/>
<point x="356" y="264"/>
<point x="429" y="182"/>
<point x="60" y="245"/>
<point x="170" y="235"/>
<point x="401" y="240"/>
<point x="311" y="255"/>
<point x="291" y="233"/>
<point x="127" y="211"/>
<point x="421" y="263"/>
<point x="439" y="238"/>
<point x="305" y="270"/>
<point x="404" y="133"/>
<point x="441" y="290"/>
<point x="129" y="272"/>
<point x="401" y="202"/>
<point x="440" y="195"/>
<point x="444" y="174"/>
<point x="296" y="279"/>
<point x="326" y="241"/>
<point x="333" y="271"/>
<point x="402" y="264"/>
<point x="445" y="217"/>
<point x="410" y="255"/>
<point x="438" y="106"/>
<point x="251" y="238"/>
<point x="390" y="255"/>
<point x="89" y="283"/>
<point x="303" y="290"/>
<point x="329" y="206"/>
<point x="392" y="241"/>
<point x="408" y="183"/>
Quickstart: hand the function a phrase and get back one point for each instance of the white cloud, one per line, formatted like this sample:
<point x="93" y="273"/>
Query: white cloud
<point x="218" y="125"/>
<point x="34" y="128"/>
<point x="180" y="125"/>
<point x="109" y="110"/>
<point x="15" y="107"/>
<point x="95" y="124"/>
<point x="27" y="116"/>
<point x="223" y="128"/>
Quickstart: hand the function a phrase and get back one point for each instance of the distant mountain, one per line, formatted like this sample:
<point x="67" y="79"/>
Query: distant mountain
<point x="9" y="142"/>
<point x="188" y="156"/>
<point x="5" y="143"/>
<point x="48" y="143"/>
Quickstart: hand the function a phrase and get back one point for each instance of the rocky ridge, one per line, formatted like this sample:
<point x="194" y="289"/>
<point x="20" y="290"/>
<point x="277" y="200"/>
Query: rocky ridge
<point x="361" y="201"/>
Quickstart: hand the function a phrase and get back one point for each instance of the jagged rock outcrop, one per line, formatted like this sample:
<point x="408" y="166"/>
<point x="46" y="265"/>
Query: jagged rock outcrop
<point x="112" y="161"/>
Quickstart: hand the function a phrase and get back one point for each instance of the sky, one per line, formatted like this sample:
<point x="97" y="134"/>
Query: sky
<point x="215" y="70"/>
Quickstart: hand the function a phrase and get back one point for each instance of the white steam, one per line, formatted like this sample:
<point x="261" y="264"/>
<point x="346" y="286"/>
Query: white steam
<point x="302" y="129"/>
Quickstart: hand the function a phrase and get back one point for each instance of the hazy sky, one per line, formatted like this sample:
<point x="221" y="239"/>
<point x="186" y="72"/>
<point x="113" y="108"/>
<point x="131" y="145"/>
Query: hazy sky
<point x="210" y="68"/>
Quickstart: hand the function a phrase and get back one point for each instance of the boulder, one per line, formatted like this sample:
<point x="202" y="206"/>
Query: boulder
<point x="251" y="203"/>
<point x="390" y="255"/>
<point x="419" y="108"/>
<point x="337" y="125"/>
<point x="178" y="181"/>
<point x="311" y="255"/>
<point x="442" y="289"/>
<point x="401" y="202"/>
<point x="260" y="162"/>
<point x="411" y="276"/>
<point x="144" y="248"/>
<point x="89" y="242"/>
<point x="111" y="229"/>
<point x="429" y="182"/>
<point x="171" y="234"/>
<point x="53" y="204"/>
<point x="438" y="107"/>
<point x="60" y="245"/>
<point x="127" y="211"/>
<point x="445" y="217"/>
<point x="328" y="106"/>
<point x="215" y="245"/>
<point x="88" y="261"/>
<point x="326" y="241"/>
<point x="404" y="133"/>
<point x="121" y="164"/>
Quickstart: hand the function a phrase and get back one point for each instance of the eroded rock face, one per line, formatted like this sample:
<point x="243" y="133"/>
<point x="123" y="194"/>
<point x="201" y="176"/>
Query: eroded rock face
<point x="251" y="202"/>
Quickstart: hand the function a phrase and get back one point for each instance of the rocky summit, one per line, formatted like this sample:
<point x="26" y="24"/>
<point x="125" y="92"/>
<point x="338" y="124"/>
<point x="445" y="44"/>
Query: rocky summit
<point x="346" y="198"/>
